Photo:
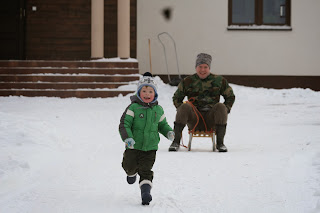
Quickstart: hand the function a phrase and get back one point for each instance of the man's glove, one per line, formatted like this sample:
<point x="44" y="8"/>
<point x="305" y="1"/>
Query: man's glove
<point x="228" y="109"/>
<point x="170" y="135"/>
<point x="129" y="143"/>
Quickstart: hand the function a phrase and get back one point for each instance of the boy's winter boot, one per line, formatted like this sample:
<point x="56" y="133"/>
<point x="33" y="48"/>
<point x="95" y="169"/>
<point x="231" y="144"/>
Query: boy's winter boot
<point x="145" y="187"/>
<point x="131" y="179"/>
<point x="178" y="133"/>
<point x="221" y="131"/>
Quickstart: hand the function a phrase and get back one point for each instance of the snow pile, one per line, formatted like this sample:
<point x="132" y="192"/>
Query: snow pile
<point x="64" y="155"/>
<point x="116" y="60"/>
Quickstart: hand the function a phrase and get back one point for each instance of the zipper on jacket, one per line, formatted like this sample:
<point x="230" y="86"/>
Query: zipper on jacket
<point x="146" y="119"/>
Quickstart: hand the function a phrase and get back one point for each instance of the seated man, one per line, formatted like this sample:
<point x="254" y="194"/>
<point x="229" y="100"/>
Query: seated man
<point x="205" y="90"/>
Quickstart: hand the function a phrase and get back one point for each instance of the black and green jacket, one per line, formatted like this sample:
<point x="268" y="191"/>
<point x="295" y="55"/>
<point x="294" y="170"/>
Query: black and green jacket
<point x="143" y="122"/>
<point x="205" y="92"/>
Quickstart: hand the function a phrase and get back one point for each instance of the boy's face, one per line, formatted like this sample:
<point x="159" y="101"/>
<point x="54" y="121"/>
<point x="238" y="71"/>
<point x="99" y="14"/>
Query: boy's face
<point x="147" y="94"/>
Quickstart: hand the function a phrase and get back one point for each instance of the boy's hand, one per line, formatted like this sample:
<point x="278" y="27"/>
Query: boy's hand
<point x="129" y="143"/>
<point x="170" y="135"/>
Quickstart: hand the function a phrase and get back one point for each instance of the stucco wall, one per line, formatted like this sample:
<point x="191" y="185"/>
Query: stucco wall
<point x="201" y="26"/>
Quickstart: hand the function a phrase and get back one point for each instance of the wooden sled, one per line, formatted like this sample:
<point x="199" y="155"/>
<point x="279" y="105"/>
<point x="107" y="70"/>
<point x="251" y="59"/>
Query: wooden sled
<point x="209" y="134"/>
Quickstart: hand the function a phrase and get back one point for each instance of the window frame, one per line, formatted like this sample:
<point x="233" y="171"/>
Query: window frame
<point x="258" y="22"/>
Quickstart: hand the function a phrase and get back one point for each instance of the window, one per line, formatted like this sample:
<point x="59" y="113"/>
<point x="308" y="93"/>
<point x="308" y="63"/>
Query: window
<point x="269" y="13"/>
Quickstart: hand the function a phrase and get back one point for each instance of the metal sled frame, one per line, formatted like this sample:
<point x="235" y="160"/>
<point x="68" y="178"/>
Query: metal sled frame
<point x="208" y="134"/>
<point x="165" y="54"/>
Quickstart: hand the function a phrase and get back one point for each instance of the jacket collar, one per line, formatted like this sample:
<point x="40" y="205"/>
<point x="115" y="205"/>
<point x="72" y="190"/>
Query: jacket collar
<point x="135" y="99"/>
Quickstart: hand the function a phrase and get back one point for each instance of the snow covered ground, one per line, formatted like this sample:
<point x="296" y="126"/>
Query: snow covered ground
<point x="64" y="155"/>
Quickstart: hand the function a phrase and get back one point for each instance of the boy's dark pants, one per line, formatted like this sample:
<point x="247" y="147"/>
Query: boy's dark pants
<point x="141" y="162"/>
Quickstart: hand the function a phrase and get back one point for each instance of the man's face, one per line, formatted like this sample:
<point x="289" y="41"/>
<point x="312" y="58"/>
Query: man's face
<point x="203" y="71"/>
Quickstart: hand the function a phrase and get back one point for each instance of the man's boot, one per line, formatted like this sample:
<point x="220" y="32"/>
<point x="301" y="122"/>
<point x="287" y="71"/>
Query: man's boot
<point x="178" y="133"/>
<point x="145" y="187"/>
<point x="221" y="131"/>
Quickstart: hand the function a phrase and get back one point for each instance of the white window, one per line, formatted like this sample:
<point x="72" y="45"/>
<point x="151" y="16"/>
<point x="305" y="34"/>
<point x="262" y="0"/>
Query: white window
<point x="259" y="13"/>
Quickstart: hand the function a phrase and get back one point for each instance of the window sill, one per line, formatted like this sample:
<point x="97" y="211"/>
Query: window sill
<point x="259" y="27"/>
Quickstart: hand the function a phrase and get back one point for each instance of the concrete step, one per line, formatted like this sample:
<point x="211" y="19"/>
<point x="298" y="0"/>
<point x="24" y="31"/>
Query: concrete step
<point x="68" y="64"/>
<point x="59" y="85"/>
<point x="64" y="93"/>
<point x="67" y="78"/>
<point x="55" y="70"/>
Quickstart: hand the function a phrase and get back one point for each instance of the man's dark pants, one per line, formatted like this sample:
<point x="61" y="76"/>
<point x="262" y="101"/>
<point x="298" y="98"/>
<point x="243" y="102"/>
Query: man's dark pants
<point x="217" y="115"/>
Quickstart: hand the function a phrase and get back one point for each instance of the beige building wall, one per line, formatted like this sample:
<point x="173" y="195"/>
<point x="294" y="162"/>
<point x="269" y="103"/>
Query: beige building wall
<point x="201" y="26"/>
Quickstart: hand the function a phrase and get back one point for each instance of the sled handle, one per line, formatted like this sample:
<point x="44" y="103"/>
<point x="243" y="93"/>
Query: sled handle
<point x="165" y="55"/>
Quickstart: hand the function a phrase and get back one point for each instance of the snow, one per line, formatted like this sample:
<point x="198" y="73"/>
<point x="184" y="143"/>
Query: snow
<point x="64" y="155"/>
<point x="116" y="60"/>
<point x="259" y="27"/>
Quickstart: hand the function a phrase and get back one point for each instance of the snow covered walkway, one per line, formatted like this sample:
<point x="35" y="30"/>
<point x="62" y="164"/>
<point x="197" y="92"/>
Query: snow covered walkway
<point x="64" y="156"/>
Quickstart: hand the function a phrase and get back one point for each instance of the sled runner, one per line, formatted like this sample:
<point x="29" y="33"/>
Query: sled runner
<point x="210" y="134"/>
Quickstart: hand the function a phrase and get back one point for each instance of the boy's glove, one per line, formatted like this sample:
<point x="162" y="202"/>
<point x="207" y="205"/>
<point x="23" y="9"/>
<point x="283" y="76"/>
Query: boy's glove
<point x="129" y="143"/>
<point x="170" y="135"/>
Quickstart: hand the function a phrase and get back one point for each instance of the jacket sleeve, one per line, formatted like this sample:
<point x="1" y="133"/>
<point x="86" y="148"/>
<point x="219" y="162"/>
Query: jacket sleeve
<point x="227" y="93"/>
<point x="126" y="123"/>
<point x="179" y="95"/>
<point x="163" y="125"/>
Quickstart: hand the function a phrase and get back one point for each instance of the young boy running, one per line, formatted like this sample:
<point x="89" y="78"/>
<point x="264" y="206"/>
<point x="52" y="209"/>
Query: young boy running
<point x="140" y="125"/>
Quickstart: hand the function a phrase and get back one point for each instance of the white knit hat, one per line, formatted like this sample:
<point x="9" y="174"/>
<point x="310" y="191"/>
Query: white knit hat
<point x="147" y="80"/>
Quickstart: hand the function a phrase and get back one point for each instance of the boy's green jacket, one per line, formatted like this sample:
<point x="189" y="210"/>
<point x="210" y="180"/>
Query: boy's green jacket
<point x="143" y="122"/>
